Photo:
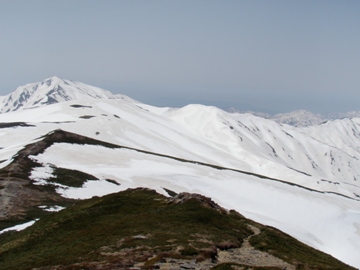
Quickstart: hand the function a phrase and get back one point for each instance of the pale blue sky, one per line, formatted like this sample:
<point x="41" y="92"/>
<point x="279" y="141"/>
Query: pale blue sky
<point x="272" y="56"/>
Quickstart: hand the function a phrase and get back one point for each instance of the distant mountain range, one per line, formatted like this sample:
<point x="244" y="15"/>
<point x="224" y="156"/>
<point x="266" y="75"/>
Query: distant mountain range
<point x="301" y="118"/>
<point x="37" y="94"/>
<point x="63" y="141"/>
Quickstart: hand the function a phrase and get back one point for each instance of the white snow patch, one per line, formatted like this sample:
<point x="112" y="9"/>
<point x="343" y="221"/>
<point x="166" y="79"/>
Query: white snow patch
<point x="41" y="174"/>
<point x="53" y="208"/>
<point x="90" y="189"/>
<point x="19" y="227"/>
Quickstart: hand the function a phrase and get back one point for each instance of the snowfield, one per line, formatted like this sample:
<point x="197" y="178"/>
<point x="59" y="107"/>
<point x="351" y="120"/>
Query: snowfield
<point x="303" y="180"/>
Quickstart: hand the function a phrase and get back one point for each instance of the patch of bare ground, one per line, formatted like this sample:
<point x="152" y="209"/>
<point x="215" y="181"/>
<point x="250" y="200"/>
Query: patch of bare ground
<point x="18" y="195"/>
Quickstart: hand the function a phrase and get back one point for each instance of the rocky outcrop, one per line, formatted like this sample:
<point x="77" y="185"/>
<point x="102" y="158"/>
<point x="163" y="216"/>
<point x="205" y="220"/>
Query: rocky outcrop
<point x="203" y="200"/>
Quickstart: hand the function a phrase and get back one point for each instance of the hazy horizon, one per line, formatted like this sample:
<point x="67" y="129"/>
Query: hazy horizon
<point x="269" y="56"/>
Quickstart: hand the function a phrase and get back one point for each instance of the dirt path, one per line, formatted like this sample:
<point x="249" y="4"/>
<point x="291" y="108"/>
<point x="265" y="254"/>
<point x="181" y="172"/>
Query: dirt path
<point x="246" y="255"/>
<point x="249" y="256"/>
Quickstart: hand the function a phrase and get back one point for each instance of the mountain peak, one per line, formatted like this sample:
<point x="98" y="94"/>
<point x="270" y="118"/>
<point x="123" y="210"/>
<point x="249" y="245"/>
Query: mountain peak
<point x="51" y="90"/>
<point x="52" y="80"/>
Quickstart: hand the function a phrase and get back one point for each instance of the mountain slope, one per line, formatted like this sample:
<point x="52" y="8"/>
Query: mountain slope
<point x="144" y="229"/>
<point x="276" y="174"/>
<point x="289" y="207"/>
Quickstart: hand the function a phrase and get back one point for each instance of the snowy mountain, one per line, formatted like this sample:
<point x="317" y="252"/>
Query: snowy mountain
<point x="49" y="91"/>
<point x="302" y="180"/>
<point x="300" y="118"/>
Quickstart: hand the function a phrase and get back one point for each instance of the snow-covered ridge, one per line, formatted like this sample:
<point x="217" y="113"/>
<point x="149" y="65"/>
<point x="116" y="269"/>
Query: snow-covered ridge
<point x="52" y="90"/>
